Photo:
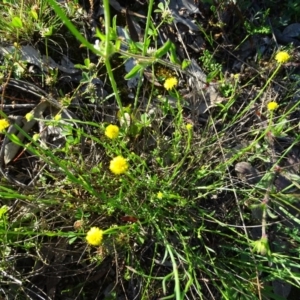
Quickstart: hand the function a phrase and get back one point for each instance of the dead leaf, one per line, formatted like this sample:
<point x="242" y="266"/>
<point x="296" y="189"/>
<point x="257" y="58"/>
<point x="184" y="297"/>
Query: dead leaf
<point x="247" y="172"/>
<point x="293" y="30"/>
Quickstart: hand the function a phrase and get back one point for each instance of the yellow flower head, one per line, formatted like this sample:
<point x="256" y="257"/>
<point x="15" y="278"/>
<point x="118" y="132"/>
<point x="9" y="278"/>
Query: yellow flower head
<point x="112" y="131"/>
<point x="118" y="165"/>
<point x="189" y="126"/>
<point x="159" y="195"/>
<point x="94" y="236"/>
<point x="3" y="124"/>
<point x="29" y="117"/>
<point x="272" y="105"/>
<point x="57" y="117"/>
<point x="170" y="83"/>
<point x="35" y="137"/>
<point x="282" y="57"/>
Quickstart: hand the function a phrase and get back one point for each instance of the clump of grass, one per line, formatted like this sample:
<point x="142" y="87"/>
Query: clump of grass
<point x="20" y="20"/>
<point x="154" y="195"/>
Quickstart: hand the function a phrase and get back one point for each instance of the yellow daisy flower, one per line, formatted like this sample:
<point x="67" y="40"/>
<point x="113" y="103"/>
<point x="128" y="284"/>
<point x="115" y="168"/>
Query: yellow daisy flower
<point x="189" y="126"/>
<point x="282" y="57"/>
<point x="272" y="106"/>
<point x="3" y="124"/>
<point x="160" y="195"/>
<point x="118" y="165"/>
<point x="112" y="131"/>
<point x="170" y="83"/>
<point x="94" y="236"/>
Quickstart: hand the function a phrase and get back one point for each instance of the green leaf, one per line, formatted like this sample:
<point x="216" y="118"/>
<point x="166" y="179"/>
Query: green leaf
<point x="87" y="62"/>
<point x="134" y="71"/>
<point x="210" y="76"/>
<point x="271" y="215"/>
<point x="72" y="240"/>
<point x="185" y="64"/>
<point x="161" y="6"/>
<point x="145" y="120"/>
<point x="16" y="22"/>
<point x="173" y="56"/>
<point x="34" y="14"/>
<point x="100" y="35"/>
<point x="3" y="210"/>
<point x="79" y="66"/>
<point x="47" y="31"/>
<point x="163" y="50"/>
<point x="114" y="25"/>
<point x="118" y="44"/>
<point x="15" y="139"/>
<point x="139" y="45"/>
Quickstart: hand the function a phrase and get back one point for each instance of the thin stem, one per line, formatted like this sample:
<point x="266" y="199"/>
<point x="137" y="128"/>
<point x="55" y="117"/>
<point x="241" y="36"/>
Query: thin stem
<point x="107" y="54"/>
<point x="259" y="94"/>
<point x="150" y="7"/>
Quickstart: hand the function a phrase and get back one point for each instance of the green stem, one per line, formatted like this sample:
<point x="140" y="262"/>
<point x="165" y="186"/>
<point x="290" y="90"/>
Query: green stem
<point x="150" y="8"/>
<point x="80" y="37"/>
<point x="107" y="54"/>
<point x="187" y="150"/>
<point x="259" y="94"/>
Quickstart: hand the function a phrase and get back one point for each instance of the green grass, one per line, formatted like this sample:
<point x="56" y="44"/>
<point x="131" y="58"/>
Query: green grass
<point x="181" y="223"/>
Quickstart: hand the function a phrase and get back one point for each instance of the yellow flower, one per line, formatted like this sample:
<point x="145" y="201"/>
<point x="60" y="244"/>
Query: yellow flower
<point x="112" y="131"/>
<point x="3" y="124"/>
<point x="29" y="117"/>
<point x="272" y="105"/>
<point x="94" y="236"/>
<point x="35" y="137"/>
<point x="118" y="165"/>
<point x="170" y="83"/>
<point x="282" y="57"/>
<point x="16" y="45"/>
<point x="57" y="117"/>
<point x="189" y="126"/>
<point x="159" y="195"/>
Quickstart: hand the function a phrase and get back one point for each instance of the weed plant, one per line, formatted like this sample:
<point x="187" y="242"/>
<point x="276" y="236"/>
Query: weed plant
<point x="151" y="204"/>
